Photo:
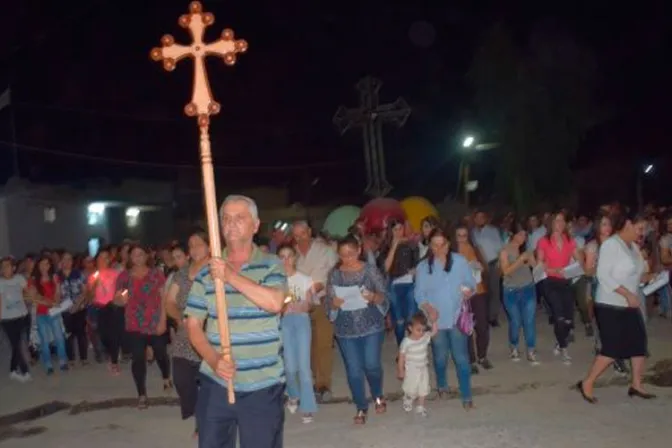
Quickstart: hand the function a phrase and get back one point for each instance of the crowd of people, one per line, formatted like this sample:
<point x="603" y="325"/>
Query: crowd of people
<point x="291" y="297"/>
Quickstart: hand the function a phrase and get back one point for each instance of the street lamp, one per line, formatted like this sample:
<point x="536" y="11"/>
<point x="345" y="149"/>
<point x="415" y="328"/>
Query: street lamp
<point x="645" y="170"/>
<point x="469" y="143"/>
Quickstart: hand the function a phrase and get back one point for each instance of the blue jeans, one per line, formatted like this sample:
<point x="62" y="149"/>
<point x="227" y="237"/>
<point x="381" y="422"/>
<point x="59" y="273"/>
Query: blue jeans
<point x="521" y="306"/>
<point x="452" y="343"/>
<point x="46" y="326"/>
<point x="402" y="308"/>
<point x="296" y="334"/>
<point x="362" y="359"/>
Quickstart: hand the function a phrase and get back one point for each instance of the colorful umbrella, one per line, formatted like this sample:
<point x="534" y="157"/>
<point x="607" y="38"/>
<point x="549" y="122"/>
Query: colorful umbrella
<point x="417" y="208"/>
<point x="339" y="220"/>
<point x="377" y="212"/>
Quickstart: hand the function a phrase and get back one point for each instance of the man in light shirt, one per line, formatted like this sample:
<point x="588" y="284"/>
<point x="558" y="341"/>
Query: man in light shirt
<point x="489" y="242"/>
<point x="316" y="259"/>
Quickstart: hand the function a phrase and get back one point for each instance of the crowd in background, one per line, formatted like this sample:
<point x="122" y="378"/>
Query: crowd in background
<point x="128" y="302"/>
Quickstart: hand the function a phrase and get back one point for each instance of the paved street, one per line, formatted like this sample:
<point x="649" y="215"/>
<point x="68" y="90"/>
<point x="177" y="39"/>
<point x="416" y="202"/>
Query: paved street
<point x="517" y="406"/>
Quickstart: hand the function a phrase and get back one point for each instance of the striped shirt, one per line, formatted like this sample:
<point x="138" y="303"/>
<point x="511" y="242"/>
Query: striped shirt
<point x="416" y="351"/>
<point x="255" y="333"/>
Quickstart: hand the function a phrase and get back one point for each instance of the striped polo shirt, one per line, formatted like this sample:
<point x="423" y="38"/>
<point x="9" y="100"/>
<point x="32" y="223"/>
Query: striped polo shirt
<point x="255" y="333"/>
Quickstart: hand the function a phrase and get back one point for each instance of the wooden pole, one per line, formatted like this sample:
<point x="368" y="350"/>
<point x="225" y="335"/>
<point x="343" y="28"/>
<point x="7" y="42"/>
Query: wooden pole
<point x="202" y="106"/>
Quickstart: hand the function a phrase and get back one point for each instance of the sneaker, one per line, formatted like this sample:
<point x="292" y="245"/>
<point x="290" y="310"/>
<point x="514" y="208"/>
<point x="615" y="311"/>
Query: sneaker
<point x="485" y="363"/>
<point x="421" y="410"/>
<point x="292" y="405"/>
<point x="407" y="404"/>
<point x="556" y="350"/>
<point x="590" y="332"/>
<point x="566" y="359"/>
<point x="514" y="355"/>
<point x="307" y="418"/>
<point x="532" y="358"/>
<point x="14" y="375"/>
<point x="325" y="395"/>
<point x="26" y="377"/>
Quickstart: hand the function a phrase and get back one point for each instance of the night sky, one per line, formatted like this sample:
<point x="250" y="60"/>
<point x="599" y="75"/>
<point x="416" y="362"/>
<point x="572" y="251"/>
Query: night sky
<point x="83" y="84"/>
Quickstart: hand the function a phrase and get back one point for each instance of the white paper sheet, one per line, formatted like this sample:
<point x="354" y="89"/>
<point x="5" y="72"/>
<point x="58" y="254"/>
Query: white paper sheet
<point x="573" y="270"/>
<point x="476" y="271"/>
<point x="61" y="308"/>
<point x="539" y="273"/>
<point x="352" y="296"/>
<point x="654" y="285"/>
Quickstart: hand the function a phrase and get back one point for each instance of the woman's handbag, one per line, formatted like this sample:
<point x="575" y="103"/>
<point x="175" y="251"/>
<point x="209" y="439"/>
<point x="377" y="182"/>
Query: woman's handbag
<point x="465" y="320"/>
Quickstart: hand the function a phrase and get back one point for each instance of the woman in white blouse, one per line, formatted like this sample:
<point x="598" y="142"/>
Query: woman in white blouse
<point x="620" y="270"/>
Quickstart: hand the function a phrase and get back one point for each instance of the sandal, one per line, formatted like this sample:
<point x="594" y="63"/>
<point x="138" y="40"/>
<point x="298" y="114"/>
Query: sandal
<point x="167" y="385"/>
<point x="468" y="405"/>
<point x="142" y="403"/>
<point x="360" y="418"/>
<point x="381" y="406"/>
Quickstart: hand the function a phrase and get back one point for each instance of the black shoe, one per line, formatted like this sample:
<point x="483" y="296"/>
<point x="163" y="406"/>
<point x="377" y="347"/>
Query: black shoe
<point x="485" y="363"/>
<point x="494" y="323"/>
<point x="579" y="387"/>
<point x="50" y="371"/>
<point x="590" y="332"/>
<point x="632" y="392"/>
<point x="474" y="369"/>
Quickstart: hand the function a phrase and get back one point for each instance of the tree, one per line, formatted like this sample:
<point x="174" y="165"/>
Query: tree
<point x="537" y="99"/>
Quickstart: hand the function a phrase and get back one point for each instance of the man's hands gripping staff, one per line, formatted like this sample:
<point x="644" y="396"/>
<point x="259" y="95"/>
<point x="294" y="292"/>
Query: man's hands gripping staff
<point x="268" y="295"/>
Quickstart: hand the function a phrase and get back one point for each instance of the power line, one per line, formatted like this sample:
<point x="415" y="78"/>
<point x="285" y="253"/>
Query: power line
<point x="102" y="113"/>
<point x="266" y="168"/>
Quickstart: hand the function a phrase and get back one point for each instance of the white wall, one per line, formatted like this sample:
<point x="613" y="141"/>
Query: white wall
<point x="28" y="231"/>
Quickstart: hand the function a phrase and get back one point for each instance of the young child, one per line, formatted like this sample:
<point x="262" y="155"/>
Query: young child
<point x="412" y="364"/>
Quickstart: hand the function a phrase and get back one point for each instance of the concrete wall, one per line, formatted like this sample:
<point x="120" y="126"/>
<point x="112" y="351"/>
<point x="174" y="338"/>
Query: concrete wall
<point x="29" y="232"/>
<point x="5" y="248"/>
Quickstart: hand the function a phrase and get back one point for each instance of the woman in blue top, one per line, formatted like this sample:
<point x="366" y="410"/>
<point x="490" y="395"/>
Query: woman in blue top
<point x="442" y="281"/>
<point x="359" y="327"/>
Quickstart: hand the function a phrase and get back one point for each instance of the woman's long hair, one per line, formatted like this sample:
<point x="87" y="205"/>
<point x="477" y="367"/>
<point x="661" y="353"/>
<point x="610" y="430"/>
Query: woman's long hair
<point x="37" y="275"/>
<point x="352" y="241"/>
<point x="387" y="242"/>
<point x="455" y="245"/>
<point x="432" y="221"/>
<point x="430" y="255"/>
<point x="551" y="221"/>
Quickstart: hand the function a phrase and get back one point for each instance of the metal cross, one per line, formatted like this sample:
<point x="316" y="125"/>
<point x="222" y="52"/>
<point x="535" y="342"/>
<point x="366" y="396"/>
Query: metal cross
<point x="370" y="116"/>
<point x="202" y="103"/>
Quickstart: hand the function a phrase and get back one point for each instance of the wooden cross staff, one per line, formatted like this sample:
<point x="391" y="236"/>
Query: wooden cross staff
<point x="202" y="106"/>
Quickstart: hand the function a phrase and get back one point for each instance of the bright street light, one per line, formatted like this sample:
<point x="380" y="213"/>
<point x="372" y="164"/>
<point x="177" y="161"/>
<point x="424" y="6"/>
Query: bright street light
<point x="468" y="142"/>
<point x="648" y="169"/>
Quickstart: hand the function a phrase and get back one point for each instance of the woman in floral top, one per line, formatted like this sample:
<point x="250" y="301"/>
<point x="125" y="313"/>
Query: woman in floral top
<point x="140" y="289"/>
<point x="359" y="330"/>
<point x="186" y="361"/>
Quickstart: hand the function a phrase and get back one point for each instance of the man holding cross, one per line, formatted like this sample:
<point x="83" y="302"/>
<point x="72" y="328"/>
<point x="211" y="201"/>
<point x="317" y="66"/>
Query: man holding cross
<point x="256" y="287"/>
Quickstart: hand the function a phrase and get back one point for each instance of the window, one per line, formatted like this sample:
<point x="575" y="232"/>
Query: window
<point x="49" y="214"/>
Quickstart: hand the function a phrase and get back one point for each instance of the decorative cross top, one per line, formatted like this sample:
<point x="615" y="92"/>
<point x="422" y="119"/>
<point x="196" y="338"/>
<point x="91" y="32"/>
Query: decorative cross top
<point x="370" y="116"/>
<point x="202" y="103"/>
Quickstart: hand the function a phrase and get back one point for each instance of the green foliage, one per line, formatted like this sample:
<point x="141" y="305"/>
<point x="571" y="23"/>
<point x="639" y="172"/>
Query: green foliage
<point x="537" y="100"/>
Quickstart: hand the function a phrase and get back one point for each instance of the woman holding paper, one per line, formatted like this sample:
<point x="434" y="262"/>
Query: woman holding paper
<point x="43" y="289"/>
<point x="556" y="252"/>
<point x="296" y="336"/>
<point x="443" y="280"/>
<point x="357" y="304"/>
<point x="617" y="307"/>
